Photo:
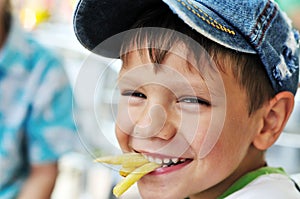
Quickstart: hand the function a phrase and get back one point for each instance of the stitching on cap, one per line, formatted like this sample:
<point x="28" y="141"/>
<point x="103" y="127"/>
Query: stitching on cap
<point x="205" y="17"/>
<point x="254" y="32"/>
<point x="268" y="24"/>
<point x="266" y="15"/>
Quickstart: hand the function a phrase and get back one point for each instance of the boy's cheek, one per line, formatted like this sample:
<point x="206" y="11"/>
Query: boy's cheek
<point x="124" y="127"/>
<point x="124" y="120"/>
<point x="123" y="139"/>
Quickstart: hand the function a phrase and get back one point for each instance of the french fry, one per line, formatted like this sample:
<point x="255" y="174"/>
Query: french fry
<point x="134" y="176"/>
<point x="137" y="162"/>
<point x="126" y="160"/>
<point x="124" y="171"/>
<point x="134" y="167"/>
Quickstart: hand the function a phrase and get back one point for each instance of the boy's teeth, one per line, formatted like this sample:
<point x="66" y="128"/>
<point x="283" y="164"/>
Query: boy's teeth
<point x="150" y="159"/>
<point x="158" y="161"/>
<point x="165" y="161"/>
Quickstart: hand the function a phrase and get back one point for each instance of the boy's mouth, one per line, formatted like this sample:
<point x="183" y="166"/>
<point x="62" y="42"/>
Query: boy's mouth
<point x="167" y="161"/>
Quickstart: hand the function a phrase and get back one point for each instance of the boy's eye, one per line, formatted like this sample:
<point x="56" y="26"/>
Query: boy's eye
<point x="134" y="94"/>
<point x="134" y="98"/>
<point x="194" y="100"/>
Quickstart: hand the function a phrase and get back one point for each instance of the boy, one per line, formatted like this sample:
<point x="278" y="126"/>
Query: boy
<point x="206" y="88"/>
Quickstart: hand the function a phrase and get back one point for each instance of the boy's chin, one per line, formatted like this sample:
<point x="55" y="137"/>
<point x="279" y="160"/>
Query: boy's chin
<point x="150" y="191"/>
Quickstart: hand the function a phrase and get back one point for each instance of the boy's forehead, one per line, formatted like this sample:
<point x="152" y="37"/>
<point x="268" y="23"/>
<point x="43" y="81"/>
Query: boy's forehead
<point x="167" y="74"/>
<point x="180" y="52"/>
<point x="139" y="62"/>
<point x="143" y="53"/>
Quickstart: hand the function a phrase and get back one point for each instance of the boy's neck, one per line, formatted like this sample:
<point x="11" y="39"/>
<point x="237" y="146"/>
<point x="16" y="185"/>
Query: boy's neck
<point x="253" y="161"/>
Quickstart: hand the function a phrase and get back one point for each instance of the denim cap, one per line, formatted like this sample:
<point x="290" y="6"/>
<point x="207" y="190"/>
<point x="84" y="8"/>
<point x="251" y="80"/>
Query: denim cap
<point x="248" y="26"/>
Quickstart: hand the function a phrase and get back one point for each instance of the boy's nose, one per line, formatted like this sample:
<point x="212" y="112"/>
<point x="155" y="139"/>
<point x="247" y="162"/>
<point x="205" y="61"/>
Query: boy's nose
<point x="155" y="122"/>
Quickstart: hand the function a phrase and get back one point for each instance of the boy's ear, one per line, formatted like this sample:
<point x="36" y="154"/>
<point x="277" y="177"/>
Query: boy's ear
<point x="276" y="115"/>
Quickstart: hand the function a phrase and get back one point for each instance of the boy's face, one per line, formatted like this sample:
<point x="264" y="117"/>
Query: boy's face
<point x="175" y="113"/>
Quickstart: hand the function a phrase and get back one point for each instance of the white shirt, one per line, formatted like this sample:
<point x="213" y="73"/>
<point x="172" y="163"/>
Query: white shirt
<point x="270" y="186"/>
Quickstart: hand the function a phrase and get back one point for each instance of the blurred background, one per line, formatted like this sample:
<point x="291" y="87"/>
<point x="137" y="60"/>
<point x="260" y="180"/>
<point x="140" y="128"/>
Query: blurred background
<point x="80" y="178"/>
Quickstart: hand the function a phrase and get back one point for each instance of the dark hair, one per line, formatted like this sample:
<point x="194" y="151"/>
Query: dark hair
<point x="246" y="68"/>
<point x="7" y="15"/>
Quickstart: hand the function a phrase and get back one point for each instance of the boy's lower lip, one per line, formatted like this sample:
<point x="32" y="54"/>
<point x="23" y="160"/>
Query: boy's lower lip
<point x="165" y="170"/>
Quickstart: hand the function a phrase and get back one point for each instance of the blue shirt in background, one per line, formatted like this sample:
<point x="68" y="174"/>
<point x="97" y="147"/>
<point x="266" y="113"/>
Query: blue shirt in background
<point x="36" y="123"/>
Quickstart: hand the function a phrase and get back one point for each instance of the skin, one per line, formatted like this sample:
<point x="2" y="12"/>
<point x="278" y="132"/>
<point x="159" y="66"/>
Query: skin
<point x="40" y="182"/>
<point x="157" y="116"/>
<point x="41" y="179"/>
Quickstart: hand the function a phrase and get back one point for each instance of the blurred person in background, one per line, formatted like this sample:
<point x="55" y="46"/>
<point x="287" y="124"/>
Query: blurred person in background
<point x="292" y="8"/>
<point x="36" y="124"/>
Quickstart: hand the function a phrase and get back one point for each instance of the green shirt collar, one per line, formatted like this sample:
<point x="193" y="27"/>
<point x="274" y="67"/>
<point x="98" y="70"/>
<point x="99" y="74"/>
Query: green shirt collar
<point x="249" y="177"/>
